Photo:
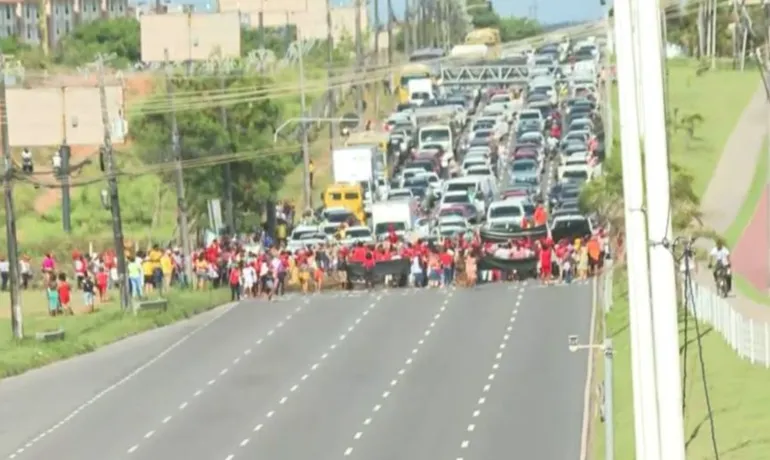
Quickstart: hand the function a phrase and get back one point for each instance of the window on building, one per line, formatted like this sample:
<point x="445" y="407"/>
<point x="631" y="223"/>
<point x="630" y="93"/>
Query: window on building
<point x="8" y="12"/>
<point x="67" y="27"/>
<point x="66" y="8"/>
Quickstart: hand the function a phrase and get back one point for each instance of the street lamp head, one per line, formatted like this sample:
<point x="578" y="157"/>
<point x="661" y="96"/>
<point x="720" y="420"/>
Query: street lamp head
<point x="573" y="343"/>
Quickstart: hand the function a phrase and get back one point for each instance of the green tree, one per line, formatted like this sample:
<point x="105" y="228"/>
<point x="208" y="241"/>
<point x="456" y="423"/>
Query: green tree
<point x="119" y="36"/>
<point x="514" y="28"/>
<point x="256" y="177"/>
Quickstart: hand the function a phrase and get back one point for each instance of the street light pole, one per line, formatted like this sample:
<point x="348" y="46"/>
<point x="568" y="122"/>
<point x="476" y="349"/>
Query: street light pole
<point x="303" y="110"/>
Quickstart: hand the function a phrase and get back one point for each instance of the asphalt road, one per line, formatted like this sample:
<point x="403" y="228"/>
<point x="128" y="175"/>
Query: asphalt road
<point x="411" y="374"/>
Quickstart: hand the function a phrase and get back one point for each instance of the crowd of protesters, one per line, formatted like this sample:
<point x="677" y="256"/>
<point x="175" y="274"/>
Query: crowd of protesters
<point x="256" y="266"/>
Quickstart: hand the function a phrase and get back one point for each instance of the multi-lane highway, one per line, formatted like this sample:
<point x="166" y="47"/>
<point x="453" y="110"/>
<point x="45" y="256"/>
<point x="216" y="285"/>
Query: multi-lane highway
<point x="412" y="374"/>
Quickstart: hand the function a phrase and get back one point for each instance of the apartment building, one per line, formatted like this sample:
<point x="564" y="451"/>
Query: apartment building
<point x="23" y="18"/>
<point x="309" y="16"/>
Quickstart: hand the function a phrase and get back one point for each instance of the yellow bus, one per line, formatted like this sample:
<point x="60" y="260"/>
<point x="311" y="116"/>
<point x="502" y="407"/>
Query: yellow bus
<point x="489" y="37"/>
<point x="410" y="72"/>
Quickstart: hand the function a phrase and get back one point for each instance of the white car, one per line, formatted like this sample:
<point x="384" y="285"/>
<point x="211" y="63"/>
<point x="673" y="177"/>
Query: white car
<point x="578" y="173"/>
<point x="483" y="151"/>
<point x="479" y="170"/>
<point x="468" y="163"/>
<point x="359" y="234"/>
<point x="574" y="159"/>
<point x="408" y="173"/>
<point x="399" y="194"/>
<point x="509" y="211"/>
<point x="449" y="220"/>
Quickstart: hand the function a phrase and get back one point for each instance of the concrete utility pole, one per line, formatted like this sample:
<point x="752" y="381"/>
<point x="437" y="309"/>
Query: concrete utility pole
<point x="112" y="183"/>
<point x="184" y="230"/>
<point x="227" y="171"/>
<point x="303" y="110"/>
<point x="658" y="206"/>
<point x="359" y="63"/>
<point x="330" y="65"/>
<point x="646" y="433"/>
<point x="10" y="215"/>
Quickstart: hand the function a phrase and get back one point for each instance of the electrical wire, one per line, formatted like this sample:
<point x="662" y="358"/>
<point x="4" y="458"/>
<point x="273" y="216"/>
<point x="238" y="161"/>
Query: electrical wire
<point x="690" y="301"/>
<point x="166" y="166"/>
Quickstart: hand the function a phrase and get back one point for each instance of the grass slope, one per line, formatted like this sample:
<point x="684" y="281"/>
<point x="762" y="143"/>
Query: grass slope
<point x="86" y="332"/>
<point x="736" y="387"/>
<point x="738" y="392"/>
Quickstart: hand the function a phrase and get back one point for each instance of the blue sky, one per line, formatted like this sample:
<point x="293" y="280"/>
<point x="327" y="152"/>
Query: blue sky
<point x="549" y="11"/>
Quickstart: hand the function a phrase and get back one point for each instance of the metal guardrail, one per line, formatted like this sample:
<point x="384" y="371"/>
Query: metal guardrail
<point x="748" y="337"/>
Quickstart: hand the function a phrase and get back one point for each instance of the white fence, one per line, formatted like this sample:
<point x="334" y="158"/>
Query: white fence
<point x="748" y="337"/>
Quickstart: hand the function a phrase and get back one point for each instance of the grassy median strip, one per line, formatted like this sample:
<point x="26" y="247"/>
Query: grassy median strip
<point x="85" y="332"/>
<point x="738" y="392"/>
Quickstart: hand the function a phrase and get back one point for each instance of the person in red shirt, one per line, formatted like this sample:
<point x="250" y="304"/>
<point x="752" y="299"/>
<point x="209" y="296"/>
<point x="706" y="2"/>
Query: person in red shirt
<point x="235" y="282"/>
<point x="392" y="236"/>
<point x="545" y="264"/>
<point x="64" y="294"/>
<point x="540" y="216"/>
<point x="369" y="263"/>
<point x="446" y="260"/>
<point x="358" y="254"/>
<point x="524" y="223"/>
<point x="101" y="284"/>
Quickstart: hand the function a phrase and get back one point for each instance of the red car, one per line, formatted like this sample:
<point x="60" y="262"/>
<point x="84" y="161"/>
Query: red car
<point x="524" y="153"/>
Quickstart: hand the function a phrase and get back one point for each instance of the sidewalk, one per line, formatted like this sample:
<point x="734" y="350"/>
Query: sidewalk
<point x="728" y="188"/>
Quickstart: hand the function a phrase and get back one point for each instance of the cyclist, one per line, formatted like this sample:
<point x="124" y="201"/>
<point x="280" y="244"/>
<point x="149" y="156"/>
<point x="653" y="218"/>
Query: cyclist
<point x="719" y="258"/>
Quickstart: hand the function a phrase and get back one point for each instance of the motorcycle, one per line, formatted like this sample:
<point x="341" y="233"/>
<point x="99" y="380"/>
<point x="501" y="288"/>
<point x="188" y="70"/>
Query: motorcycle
<point x="720" y="274"/>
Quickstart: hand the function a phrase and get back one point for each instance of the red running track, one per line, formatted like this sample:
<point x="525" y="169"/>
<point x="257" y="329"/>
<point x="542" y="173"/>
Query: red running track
<point x="750" y="256"/>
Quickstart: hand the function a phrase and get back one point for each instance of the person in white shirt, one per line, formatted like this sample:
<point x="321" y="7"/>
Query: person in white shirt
<point x="26" y="161"/>
<point x="249" y="279"/>
<point x="56" y="161"/>
<point x="719" y="259"/>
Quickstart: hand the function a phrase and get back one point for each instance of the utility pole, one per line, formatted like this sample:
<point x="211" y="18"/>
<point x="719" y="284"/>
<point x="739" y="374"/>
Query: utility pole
<point x="112" y="183"/>
<point x="646" y="432"/>
<point x="227" y="172"/>
<point x="658" y="201"/>
<point x="330" y="65"/>
<point x="303" y="111"/>
<point x="64" y="177"/>
<point x="359" y="63"/>
<point x="377" y="57"/>
<point x="10" y="215"/>
<point x="184" y="230"/>
<point x="390" y="33"/>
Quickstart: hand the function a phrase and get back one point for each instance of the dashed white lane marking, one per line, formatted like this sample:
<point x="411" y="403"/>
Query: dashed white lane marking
<point x="491" y="377"/>
<point x="407" y="363"/>
<point x="225" y="309"/>
<point x="313" y="367"/>
<point x="280" y="324"/>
